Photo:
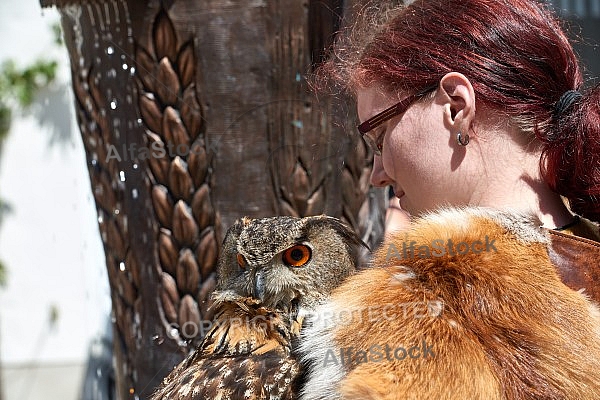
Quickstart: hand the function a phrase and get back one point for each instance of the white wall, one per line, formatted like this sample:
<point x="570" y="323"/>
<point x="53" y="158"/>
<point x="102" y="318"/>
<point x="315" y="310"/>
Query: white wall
<point x="50" y="242"/>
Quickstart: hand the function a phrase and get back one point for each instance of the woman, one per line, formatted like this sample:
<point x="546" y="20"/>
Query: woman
<point x="491" y="108"/>
<point x="474" y="103"/>
<point x="489" y="111"/>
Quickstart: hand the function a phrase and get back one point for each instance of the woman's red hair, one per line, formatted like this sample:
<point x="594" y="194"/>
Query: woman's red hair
<point x="519" y="62"/>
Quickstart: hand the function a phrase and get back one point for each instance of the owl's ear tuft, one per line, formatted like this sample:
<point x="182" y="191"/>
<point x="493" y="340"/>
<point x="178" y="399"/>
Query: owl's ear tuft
<point x="237" y="228"/>
<point x="350" y="238"/>
<point x="337" y="225"/>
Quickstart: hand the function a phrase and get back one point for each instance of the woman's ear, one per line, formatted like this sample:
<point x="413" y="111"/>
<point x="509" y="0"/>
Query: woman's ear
<point x="459" y="100"/>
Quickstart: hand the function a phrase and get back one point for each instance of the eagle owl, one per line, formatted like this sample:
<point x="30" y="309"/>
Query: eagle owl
<point x="465" y="304"/>
<point x="272" y="272"/>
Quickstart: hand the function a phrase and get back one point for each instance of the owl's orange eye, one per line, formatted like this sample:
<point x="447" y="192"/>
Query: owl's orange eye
<point x="241" y="261"/>
<point x="297" y="256"/>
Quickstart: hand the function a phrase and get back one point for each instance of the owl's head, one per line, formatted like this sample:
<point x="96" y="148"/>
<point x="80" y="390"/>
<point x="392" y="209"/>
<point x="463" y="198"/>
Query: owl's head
<point x="287" y="262"/>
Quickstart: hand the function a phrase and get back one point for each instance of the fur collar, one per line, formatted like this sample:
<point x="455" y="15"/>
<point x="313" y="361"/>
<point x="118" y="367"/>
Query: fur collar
<point x="465" y="304"/>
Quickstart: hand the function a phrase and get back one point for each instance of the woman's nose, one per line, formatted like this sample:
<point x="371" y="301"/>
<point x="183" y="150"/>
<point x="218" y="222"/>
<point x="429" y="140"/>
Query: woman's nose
<point x="378" y="176"/>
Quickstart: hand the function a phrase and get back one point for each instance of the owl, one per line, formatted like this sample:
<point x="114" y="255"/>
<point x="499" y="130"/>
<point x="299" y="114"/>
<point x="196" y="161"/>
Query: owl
<point x="272" y="273"/>
<point x="465" y="304"/>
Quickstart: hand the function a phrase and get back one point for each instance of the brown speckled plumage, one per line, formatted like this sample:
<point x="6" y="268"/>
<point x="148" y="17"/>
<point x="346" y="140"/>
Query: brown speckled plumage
<point x="247" y="360"/>
<point x="260" y="303"/>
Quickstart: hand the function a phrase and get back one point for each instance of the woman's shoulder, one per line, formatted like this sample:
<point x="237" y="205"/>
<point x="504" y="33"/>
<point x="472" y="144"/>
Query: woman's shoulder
<point x="584" y="228"/>
<point x="575" y="253"/>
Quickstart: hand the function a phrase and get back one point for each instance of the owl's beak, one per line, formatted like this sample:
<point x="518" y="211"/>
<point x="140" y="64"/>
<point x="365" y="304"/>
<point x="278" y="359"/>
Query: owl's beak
<point x="259" y="285"/>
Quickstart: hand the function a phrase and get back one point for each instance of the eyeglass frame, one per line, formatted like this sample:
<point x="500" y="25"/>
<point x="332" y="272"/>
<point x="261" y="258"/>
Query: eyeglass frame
<point x="399" y="108"/>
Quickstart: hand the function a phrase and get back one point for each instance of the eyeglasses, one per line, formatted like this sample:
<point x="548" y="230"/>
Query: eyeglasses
<point x="365" y="129"/>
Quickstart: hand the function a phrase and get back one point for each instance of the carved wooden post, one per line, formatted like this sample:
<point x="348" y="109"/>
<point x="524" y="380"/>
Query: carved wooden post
<point x="193" y="114"/>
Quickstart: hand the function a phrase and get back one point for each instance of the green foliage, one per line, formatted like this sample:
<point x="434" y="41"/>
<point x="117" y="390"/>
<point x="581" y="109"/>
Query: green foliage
<point x="57" y="32"/>
<point x="21" y="84"/>
<point x="5" y="116"/>
<point x="18" y="87"/>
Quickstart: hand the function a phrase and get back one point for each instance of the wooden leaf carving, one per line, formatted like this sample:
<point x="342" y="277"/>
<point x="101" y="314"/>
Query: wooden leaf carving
<point x="202" y="207"/>
<point x="174" y="131"/>
<point x="300" y="184"/>
<point x="191" y="111"/>
<point x="167" y="251"/>
<point x="186" y="63"/>
<point x="125" y="288"/>
<point x="168" y="307"/>
<point x="185" y="229"/>
<point x="80" y="93"/>
<point x="150" y="111"/>
<point x="198" y="162"/>
<point x="145" y="68"/>
<point x="189" y="316"/>
<point x="170" y="287"/>
<point x="316" y="202"/>
<point x="115" y="239"/>
<point x="104" y="194"/>
<point x="167" y="86"/>
<point x="356" y="161"/>
<point x="98" y="99"/>
<point x="102" y="151"/>
<point x="287" y="209"/>
<point x="132" y="266"/>
<point x="207" y="253"/>
<point x="165" y="40"/>
<point x="188" y="274"/>
<point x="348" y="187"/>
<point x="180" y="181"/>
<point x="159" y="159"/>
<point x="169" y="300"/>
<point x="163" y="206"/>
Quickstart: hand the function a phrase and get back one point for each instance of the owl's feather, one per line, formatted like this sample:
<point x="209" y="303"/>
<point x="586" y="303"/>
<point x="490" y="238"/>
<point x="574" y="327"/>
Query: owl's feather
<point x="246" y="355"/>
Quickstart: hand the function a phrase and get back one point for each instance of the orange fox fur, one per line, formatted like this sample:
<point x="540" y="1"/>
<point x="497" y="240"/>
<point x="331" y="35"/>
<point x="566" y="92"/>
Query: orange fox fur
<point x="509" y="328"/>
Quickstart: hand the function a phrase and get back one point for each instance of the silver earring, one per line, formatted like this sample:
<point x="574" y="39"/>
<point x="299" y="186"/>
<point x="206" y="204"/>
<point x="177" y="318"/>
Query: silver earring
<point x="462" y="141"/>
